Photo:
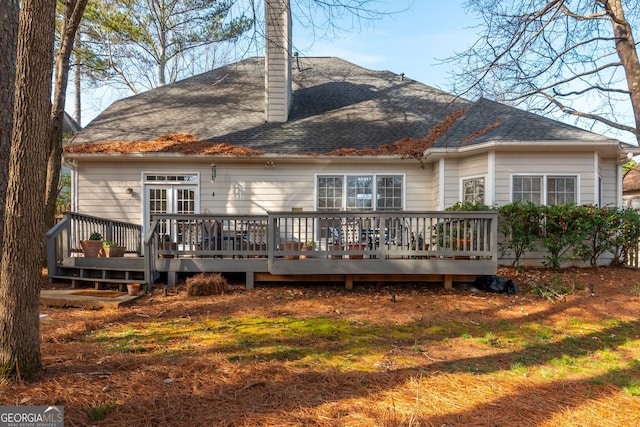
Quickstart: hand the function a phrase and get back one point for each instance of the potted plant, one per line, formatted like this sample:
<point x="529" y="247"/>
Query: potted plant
<point x="92" y="246"/>
<point x="291" y="246"/>
<point x="356" y="247"/>
<point x="112" y="250"/>
<point x="309" y="245"/>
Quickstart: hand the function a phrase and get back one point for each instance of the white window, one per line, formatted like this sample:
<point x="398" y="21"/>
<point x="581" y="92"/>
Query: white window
<point x="360" y="192"/>
<point x="473" y="190"/>
<point x="545" y="189"/>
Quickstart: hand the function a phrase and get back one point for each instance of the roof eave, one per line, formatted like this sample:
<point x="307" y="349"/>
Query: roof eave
<point x="610" y="146"/>
<point x="150" y="156"/>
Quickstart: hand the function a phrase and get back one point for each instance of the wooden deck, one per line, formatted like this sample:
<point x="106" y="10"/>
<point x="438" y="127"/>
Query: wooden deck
<point x="294" y="246"/>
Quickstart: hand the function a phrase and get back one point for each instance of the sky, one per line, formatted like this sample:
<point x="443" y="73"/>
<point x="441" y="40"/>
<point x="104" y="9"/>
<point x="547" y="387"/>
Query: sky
<point x="414" y="42"/>
<point x="410" y="42"/>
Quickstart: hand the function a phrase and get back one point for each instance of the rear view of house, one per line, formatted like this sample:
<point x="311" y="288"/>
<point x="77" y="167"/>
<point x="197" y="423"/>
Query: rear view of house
<point x="287" y="133"/>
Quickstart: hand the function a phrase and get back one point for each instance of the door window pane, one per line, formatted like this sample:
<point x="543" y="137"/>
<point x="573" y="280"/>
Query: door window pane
<point x="186" y="201"/>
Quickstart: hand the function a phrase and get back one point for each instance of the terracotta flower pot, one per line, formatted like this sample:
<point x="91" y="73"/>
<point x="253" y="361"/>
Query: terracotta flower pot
<point x="133" y="288"/>
<point x="91" y="248"/>
<point x="291" y="246"/>
<point x="306" y="247"/>
<point x="356" y="247"/>
<point x="112" y="251"/>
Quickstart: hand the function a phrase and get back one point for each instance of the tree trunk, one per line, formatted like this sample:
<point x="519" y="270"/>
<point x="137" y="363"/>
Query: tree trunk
<point x="8" y="45"/>
<point x="73" y="11"/>
<point x="626" y="48"/>
<point x="77" y="93"/>
<point x="20" y="270"/>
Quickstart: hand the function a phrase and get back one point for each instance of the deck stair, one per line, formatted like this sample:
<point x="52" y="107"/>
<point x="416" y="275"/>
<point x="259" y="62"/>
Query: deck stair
<point x="101" y="272"/>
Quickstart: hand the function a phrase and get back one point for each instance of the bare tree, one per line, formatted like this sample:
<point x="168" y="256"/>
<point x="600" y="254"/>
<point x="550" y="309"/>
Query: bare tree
<point x="143" y="43"/>
<point x="20" y="269"/>
<point x="578" y="58"/>
<point x="72" y="11"/>
<point x="8" y="45"/>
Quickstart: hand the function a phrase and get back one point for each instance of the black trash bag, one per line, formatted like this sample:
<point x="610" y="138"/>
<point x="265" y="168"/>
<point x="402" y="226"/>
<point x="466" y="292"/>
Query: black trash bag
<point x="495" y="284"/>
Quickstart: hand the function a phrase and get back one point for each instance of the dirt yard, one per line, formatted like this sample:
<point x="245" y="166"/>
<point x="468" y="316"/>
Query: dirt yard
<point x="380" y="355"/>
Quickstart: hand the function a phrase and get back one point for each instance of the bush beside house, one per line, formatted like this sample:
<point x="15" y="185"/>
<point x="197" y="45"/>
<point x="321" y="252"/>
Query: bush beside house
<point x="564" y="232"/>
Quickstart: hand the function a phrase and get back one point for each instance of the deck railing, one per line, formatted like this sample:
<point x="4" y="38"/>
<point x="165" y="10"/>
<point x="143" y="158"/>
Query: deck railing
<point x="63" y="240"/>
<point x="295" y="235"/>
<point x="292" y="243"/>
<point x="385" y="234"/>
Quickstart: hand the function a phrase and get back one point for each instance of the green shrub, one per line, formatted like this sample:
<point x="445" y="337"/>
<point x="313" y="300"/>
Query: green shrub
<point x="520" y="227"/>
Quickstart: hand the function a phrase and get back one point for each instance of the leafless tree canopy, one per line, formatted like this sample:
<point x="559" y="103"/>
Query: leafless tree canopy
<point x="575" y="57"/>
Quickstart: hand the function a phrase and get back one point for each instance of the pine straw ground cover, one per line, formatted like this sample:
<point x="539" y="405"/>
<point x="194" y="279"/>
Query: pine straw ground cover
<point x="319" y="355"/>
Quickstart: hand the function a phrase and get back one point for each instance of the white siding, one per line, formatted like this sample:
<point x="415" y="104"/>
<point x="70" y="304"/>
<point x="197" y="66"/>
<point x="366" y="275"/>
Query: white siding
<point x="429" y="188"/>
<point x="451" y="182"/>
<point x="458" y="169"/>
<point x="102" y="191"/>
<point x="238" y="188"/>
<point x="608" y="171"/>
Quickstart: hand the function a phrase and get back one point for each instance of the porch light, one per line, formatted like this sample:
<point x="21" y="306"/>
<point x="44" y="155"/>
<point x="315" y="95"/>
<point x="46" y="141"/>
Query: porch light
<point x="213" y="171"/>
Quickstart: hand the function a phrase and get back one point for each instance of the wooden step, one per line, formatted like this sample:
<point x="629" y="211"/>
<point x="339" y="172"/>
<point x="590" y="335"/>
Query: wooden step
<point x="98" y="279"/>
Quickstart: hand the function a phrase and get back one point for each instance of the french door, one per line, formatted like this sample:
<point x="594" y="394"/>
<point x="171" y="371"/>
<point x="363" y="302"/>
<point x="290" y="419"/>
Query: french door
<point x="169" y="199"/>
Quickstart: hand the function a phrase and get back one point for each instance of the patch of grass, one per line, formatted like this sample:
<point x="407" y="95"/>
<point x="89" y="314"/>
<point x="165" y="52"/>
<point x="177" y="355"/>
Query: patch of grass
<point x="608" y="356"/>
<point x="564" y="362"/>
<point x="538" y="332"/>
<point x="574" y="322"/>
<point x="101" y="412"/>
<point x="635" y="289"/>
<point x="632" y="388"/>
<point x="518" y="368"/>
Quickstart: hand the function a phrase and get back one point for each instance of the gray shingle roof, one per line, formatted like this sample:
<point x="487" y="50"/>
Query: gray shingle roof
<point x="492" y="121"/>
<point x="336" y="104"/>
<point x="69" y="125"/>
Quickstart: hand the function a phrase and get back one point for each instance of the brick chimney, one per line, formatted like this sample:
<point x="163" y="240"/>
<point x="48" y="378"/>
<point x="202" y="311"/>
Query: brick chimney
<point x="277" y="60"/>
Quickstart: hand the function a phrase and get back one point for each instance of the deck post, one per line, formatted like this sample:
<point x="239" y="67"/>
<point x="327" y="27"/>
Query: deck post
<point x="348" y="282"/>
<point x="448" y="282"/>
<point x="172" y="278"/>
<point x="249" y="280"/>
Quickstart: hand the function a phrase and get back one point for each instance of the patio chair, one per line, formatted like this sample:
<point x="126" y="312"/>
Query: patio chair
<point x="211" y="236"/>
<point x="256" y="238"/>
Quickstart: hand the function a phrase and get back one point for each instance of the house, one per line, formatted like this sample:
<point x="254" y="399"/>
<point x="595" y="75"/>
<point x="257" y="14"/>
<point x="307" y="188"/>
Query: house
<point x="287" y="133"/>
<point x="69" y="125"/>
<point x="631" y="188"/>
